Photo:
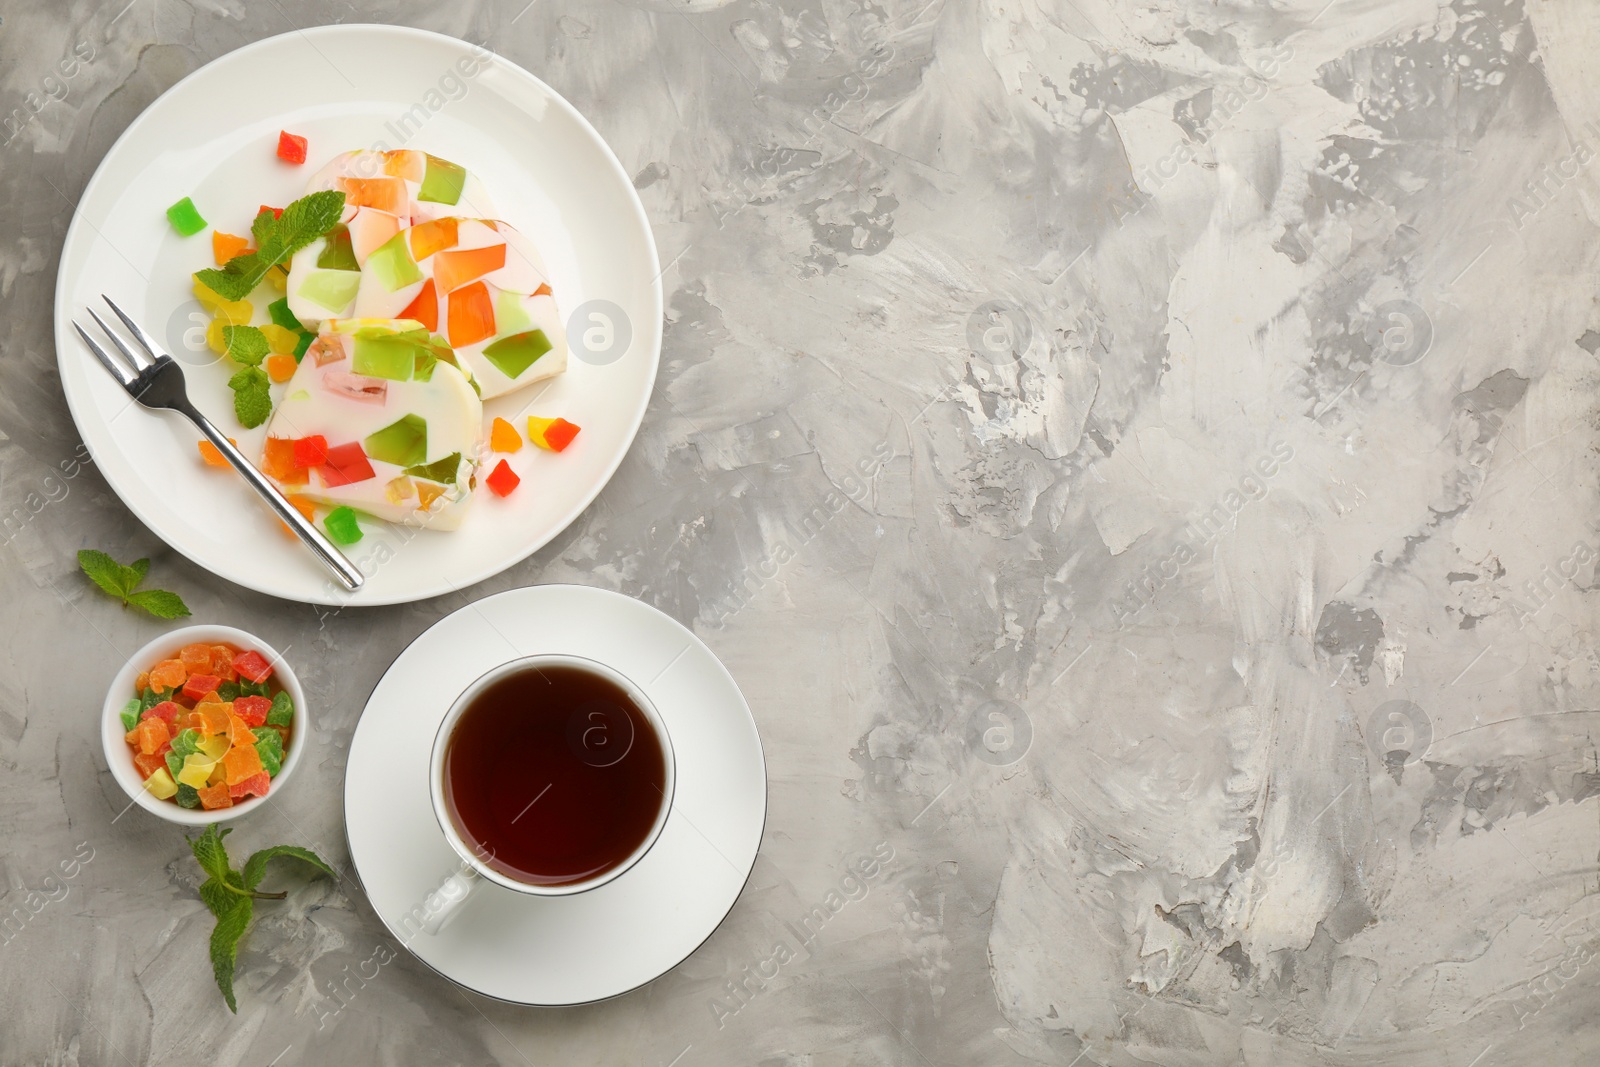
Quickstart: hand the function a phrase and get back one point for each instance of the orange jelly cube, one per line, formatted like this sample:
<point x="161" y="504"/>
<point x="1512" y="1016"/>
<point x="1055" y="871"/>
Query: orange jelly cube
<point x="153" y="733"/>
<point x="280" y="368"/>
<point x="471" y="315"/>
<point x="241" y="763"/>
<point x="405" y="163"/>
<point x="424" y="308"/>
<point x="453" y="269"/>
<point x="503" y="437"/>
<point x="169" y="674"/>
<point x="385" y="194"/>
<point x="430" y="237"/>
<point x="215" y="796"/>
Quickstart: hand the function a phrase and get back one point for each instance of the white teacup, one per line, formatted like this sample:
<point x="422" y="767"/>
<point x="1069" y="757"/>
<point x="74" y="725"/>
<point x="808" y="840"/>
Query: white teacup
<point x="445" y="903"/>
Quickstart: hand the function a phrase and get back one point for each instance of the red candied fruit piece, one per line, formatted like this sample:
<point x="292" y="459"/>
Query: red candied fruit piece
<point x="252" y="711"/>
<point x="310" y="451"/>
<point x="167" y="710"/>
<point x="503" y="479"/>
<point x="148" y="765"/>
<point x="277" y="212"/>
<point x="252" y="665"/>
<point x="291" y="148"/>
<point x="559" y="434"/>
<point x="346" y="464"/>
<point x="255" y="785"/>
<point x="199" y="685"/>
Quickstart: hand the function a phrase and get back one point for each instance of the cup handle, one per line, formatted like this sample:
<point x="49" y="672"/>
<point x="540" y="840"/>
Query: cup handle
<point x="446" y="902"/>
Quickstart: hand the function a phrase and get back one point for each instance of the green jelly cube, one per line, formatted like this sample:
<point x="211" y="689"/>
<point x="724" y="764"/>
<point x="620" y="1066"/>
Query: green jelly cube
<point x="389" y="356"/>
<point x="342" y="526"/>
<point x="130" y="714"/>
<point x="515" y="354"/>
<point x="188" y="796"/>
<point x="174" y="762"/>
<point x="337" y="252"/>
<point x="282" y="316"/>
<point x="403" y="442"/>
<point x="331" y="289"/>
<point x="392" y="265"/>
<point x="187" y="743"/>
<point x="269" y="746"/>
<point x="510" y="313"/>
<point x="282" y="713"/>
<point x="442" y="471"/>
<point x="306" y="337"/>
<point x="442" y="182"/>
<point x="186" y="220"/>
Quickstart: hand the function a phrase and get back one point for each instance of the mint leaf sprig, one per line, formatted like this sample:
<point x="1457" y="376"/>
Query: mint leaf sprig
<point x="277" y="238"/>
<point x="230" y="896"/>
<point x="123" y="583"/>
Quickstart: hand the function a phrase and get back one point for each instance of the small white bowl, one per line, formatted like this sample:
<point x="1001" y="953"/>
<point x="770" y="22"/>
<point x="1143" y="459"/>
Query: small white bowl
<point x="119" y="757"/>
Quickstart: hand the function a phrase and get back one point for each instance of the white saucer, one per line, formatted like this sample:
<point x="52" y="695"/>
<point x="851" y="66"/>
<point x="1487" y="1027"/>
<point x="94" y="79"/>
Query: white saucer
<point x="560" y="950"/>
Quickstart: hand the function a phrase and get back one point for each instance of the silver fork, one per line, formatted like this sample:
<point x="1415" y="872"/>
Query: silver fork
<point x="156" y="381"/>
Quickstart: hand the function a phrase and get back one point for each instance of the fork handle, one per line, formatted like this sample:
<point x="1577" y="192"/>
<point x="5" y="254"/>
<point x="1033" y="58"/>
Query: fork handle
<point x="348" y="574"/>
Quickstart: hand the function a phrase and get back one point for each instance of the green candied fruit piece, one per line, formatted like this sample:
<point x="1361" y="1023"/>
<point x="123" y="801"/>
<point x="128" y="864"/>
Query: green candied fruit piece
<point x="228" y="690"/>
<point x="331" y="289"/>
<point x="174" y="762"/>
<point x="342" y="526"/>
<point x="306" y="337"/>
<point x="282" y="316"/>
<point x="282" y="713"/>
<point x="269" y="746"/>
<point x="442" y="471"/>
<point x="403" y="442"/>
<point x="187" y="743"/>
<point x="337" y="252"/>
<point x="442" y="181"/>
<point x="188" y="796"/>
<point x="392" y="265"/>
<point x="515" y="354"/>
<point x="389" y="356"/>
<point x="247" y="688"/>
<point x="152" y="697"/>
<point x="130" y="714"/>
<point x="186" y="219"/>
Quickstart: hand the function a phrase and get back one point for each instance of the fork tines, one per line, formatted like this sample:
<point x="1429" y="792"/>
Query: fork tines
<point x="151" y="357"/>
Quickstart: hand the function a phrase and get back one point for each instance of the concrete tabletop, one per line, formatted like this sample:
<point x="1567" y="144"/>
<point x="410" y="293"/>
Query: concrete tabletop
<point x="1138" y="461"/>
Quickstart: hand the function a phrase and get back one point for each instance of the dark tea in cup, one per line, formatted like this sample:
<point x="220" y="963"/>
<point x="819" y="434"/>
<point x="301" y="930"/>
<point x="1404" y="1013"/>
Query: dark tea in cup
<point x="553" y="774"/>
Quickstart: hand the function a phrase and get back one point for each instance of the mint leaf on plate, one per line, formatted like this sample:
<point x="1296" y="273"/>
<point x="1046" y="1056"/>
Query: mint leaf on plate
<point x="277" y="238"/>
<point x="252" y="400"/>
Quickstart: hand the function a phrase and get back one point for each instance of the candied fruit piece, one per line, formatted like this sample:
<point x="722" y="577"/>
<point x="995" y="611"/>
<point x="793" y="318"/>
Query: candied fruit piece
<point x="280" y="340"/>
<point x="252" y="710"/>
<point x="554" y="434"/>
<point x="169" y="674"/>
<point x="224" y="246"/>
<point x="141" y="683"/>
<point x="252" y="665"/>
<point x="210" y="718"/>
<point x="270" y="748"/>
<point x="291" y="147"/>
<point x="280" y="368"/>
<point x="241" y="763"/>
<point x="166" y="710"/>
<point x="187" y="796"/>
<point x="195" y="658"/>
<point x="256" y="785"/>
<point x="502" y="479"/>
<point x="199" y="685"/>
<point x="277" y="212"/>
<point x="215" y="796"/>
<point x="161" y="785"/>
<point x="282" y="713"/>
<point x="304" y="505"/>
<point x="238" y="732"/>
<point x="213" y="747"/>
<point x="130" y="715"/>
<point x="185" y="218"/>
<point x="153" y="733"/>
<point x="222" y="663"/>
<point x="148" y="765"/>
<point x="503" y="437"/>
<point x="277" y="460"/>
<point x="342" y="526"/>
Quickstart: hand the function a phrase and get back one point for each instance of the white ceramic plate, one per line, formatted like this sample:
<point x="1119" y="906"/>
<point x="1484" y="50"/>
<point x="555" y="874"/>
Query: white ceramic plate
<point x="609" y="940"/>
<point x="213" y="137"/>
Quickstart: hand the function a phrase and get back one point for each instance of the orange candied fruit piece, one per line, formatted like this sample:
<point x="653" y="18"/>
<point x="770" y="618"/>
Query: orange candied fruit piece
<point x="215" y="796"/>
<point x="168" y="674"/>
<point x="213" y="455"/>
<point x="503" y="437"/>
<point x="238" y="732"/>
<point x="196" y="659"/>
<point x="224" y="246"/>
<point x="280" y="368"/>
<point x="148" y="765"/>
<point x="211" y="717"/>
<point x="304" y="505"/>
<point x="222" y="663"/>
<point x="153" y="733"/>
<point x="241" y="763"/>
<point x="141" y="683"/>
<point x="277" y="459"/>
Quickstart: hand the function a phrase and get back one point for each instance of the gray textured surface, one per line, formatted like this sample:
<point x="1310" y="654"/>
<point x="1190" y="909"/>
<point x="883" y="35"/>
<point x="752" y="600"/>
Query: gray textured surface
<point x="1266" y="549"/>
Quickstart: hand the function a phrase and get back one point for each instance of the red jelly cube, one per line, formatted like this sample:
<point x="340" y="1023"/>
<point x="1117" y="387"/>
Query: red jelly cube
<point x="277" y="212"/>
<point x="310" y="451"/>
<point x="346" y="464"/>
<point x="255" y="785"/>
<point x="252" y="711"/>
<point x="165" y="710"/>
<point x="503" y="479"/>
<point x="199" y="685"/>
<point x="291" y="149"/>
<point x="252" y="665"/>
